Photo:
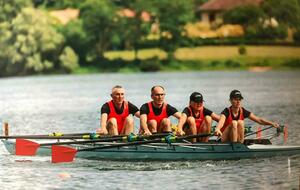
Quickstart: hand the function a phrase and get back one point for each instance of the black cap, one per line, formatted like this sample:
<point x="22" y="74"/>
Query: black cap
<point x="236" y="94"/>
<point x="196" y="97"/>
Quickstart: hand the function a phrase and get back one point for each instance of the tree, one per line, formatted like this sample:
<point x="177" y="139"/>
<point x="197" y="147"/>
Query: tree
<point x="68" y="60"/>
<point x="30" y="44"/>
<point x="10" y="8"/>
<point x="76" y="37"/>
<point x="133" y="29"/>
<point x="58" y="4"/>
<point x="244" y="15"/>
<point x="172" y="16"/>
<point x="286" y="12"/>
<point x="100" y="21"/>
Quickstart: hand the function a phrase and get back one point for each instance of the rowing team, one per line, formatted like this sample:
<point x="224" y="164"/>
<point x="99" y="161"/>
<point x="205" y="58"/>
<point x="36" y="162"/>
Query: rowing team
<point x="116" y="116"/>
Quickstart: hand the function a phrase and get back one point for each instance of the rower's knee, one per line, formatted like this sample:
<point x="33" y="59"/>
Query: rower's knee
<point x="191" y="121"/>
<point x="234" y="125"/>
<point x="129" y="120"/>
<point x="112" y="122"/>
<point x="166" y="122"/>
<point x="207" y="123"/>
<point x="240" y="123"/>
<point x="152" y="125"/>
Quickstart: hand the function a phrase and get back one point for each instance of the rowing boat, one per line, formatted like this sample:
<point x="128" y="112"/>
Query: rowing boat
<point x="252" y="148"/>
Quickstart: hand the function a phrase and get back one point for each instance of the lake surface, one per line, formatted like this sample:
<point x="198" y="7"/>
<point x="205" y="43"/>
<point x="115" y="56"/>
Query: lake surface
<point x="46" y="104"/>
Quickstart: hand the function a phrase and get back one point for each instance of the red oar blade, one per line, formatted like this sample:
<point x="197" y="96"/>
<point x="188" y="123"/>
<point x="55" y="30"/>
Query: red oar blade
<point x="62" y="154"/>
<point x="26" y="148"/>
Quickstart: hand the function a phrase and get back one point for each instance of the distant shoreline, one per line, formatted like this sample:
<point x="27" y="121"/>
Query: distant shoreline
<point x="255" y="58"/>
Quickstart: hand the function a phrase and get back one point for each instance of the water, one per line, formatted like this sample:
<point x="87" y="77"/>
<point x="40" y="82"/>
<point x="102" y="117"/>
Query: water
<point x="45" y="104"/>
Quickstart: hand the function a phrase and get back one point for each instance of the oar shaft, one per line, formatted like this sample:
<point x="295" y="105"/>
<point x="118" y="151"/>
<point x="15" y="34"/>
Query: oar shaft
<point x="85" y="142"/>
<point x="259" y="131"/>
<point x="121" y="145"/>
<point x="108" y="139"/>
<point x="57" y="137"/>
<point x="194" y="136"/>
<point x="163" y="140"/>
<point x="40" y="137"/>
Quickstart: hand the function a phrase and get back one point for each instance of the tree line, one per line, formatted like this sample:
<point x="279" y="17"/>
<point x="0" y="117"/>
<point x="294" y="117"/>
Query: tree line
<point x="32" y="41"/>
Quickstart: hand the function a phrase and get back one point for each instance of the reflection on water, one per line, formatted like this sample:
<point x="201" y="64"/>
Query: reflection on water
<point x="45" y="104"/>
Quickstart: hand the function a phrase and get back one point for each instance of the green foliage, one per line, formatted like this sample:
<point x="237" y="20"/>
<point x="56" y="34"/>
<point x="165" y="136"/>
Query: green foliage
<point x="242" y="50"/>
<point x="232" y="64"/>
<point x="294" y="63"/>
<point x="296" y="35"/>
<point x="68" y="60"/>
<point x="76" y="37"/>
<point x="260" y="63"/>
<point x="31" y="44"/>
<point x="134" y="29"/>
<point x="150" y="65"/>
<point x="10" y="8"/>
<point x="172" y="16"/>
<point x="286" y="12"/>
<point x="244" y="15"/>
<point x="100" y="23"/>
<point x="269" y="32"/>
<point x="58" y="4"/>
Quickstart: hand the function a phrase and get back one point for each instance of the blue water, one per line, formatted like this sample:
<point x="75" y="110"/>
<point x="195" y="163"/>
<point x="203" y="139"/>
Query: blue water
<point x="45" y="104"/>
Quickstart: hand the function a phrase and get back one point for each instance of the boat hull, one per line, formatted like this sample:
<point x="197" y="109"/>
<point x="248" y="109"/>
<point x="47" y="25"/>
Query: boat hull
<point x="176" y="151"/>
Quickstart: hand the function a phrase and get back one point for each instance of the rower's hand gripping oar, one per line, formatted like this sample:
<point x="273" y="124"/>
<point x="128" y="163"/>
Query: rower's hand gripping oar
<point x="67" y="154"/>
<point x="28" y="148"/>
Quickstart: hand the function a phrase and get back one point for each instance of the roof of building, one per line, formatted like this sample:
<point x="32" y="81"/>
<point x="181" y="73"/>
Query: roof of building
<point x="66" y="15"/>
<point x="219" y="5"/>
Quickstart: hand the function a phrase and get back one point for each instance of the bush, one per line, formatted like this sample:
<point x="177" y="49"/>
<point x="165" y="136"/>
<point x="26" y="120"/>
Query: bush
<point x="266" y="33"/>
<point x="150" y="65"/>
<point x="68" y="60"/>
<point x="296" y="35"/>
<point x="293" y="63"/>
<point x="231" y="63"/>
<point x="242" y="50"/>
<point x="215" y="63"/>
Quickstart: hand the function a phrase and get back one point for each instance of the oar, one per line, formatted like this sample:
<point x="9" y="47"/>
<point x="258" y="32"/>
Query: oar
<point x="68" y="136"/>
<point x="67" y="154"/>
<point x="28" y="148"/>
<point x="280" y="129"/>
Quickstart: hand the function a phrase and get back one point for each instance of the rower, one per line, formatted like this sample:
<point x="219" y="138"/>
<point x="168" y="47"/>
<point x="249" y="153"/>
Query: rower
<point x="231" y="125"/>
<point x="116" y="115"/>
<point x="155" y="114"/>
<point x="196" y="119"/>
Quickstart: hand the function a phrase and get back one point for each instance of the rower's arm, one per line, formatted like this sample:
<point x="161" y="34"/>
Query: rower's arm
<point x="137" y="114"/>
<point x="181" y="122"/>
<point x="143" y="124"/>
<point x="177" y="115"/>
<point x="103" y="120"/>
<point x="220" y="124"/>
<point x="262" y="121"/>
<point x="215" y="117"/>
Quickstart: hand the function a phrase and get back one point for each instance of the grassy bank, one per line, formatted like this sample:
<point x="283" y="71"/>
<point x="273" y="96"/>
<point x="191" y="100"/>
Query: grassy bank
<point x="205" y="58"/>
